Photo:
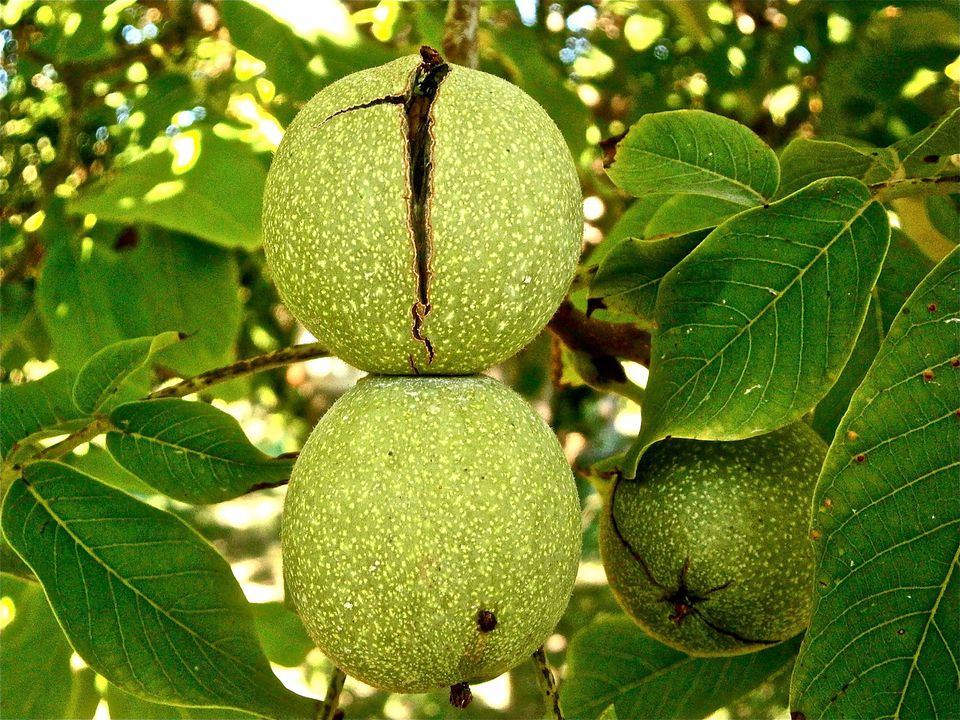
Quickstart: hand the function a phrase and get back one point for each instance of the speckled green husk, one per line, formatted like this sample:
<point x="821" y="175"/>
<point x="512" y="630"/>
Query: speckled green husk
<point x="417" y="503"/>
<point x="505" y="212"/>
<point x="739" y="512"/>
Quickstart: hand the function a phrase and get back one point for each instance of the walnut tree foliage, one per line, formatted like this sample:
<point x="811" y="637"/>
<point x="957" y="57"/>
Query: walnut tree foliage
<point x="772" y="215"/>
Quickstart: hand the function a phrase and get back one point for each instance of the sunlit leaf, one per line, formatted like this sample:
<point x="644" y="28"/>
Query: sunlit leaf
<point x="91" y="296"/>
<point x="886" y="528"/>
<point x="695" y="152"/>
<point x="211" y="188"/>
<point x="112" y="375"/>
<point x="281" y="633"/>
<point x="757" y="322"/>
<point x="144" y="600"/>
<point x="38" y="409"/>
<point x="191" y="451"/>
<point x="614" y="661"/>
<point x="38" y="681"/>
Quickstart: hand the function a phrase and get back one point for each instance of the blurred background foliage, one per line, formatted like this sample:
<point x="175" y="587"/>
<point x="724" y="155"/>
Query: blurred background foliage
<point x="136" y="137"/>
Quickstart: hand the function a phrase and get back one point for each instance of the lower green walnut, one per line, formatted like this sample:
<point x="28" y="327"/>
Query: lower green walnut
<point x="707" y="549"/>
<point x="431" y="532"/>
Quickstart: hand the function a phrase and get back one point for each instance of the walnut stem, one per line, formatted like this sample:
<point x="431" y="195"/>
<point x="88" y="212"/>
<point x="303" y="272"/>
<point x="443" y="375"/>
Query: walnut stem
<point x="460" y="33"/>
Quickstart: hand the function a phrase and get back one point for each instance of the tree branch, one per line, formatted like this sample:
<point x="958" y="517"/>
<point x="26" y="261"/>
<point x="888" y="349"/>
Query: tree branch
<point x="460" y="33"/>
<point x="598" y="338"/>
<point x="548" y="685"/>
<point x="904" y="187"/>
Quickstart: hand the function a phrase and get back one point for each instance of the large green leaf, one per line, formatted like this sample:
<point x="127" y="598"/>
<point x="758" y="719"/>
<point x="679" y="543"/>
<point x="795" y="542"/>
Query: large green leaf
<point x="281" y="633"/>
<point x="686" y="213"/>
<point x="35" y="661"/>
<point x="91" y="296"/>
<point x="124" y="706"/>
<point x="695" y="152"/>
<point x="113" y="375"/>
<point x="903" y="269"/>
<point x="886" y="521"/>
<point x="37" y="409"/>
<point x="757" y="322"/>
<point x="211" y="188"/>
<point x="805" y="160"/>
<point x="191" y="451"/>
<point x="144" y="600"/>
<point x="628" y="278"/>
<point x="613" y="661"/>
<point x="929" y="152"/>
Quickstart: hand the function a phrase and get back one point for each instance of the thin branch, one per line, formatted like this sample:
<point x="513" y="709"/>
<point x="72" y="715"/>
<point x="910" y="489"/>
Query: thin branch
<point x="891" y="189"/>
<point x="460" y="33"/>
<point x="247" y="366"/>
<point x="548" y="685"/>
<point x="332" y="699"/>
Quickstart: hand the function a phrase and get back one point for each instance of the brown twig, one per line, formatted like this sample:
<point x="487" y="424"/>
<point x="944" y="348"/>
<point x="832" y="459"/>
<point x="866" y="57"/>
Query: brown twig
<point x="460" y="33"/>
<point x="598" y="338"/>
<point x="548" y="685"/>
<point x="247" y="366"/>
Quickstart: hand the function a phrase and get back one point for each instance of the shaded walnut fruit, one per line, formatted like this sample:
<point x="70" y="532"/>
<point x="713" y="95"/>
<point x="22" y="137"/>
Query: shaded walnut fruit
<point x="707" y="549"/>
<point x="431" y="532"/>
<point x="421" y="217"/>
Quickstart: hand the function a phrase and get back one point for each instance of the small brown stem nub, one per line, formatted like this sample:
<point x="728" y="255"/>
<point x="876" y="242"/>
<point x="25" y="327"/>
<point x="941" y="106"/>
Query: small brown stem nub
<point x="460" y="695"/>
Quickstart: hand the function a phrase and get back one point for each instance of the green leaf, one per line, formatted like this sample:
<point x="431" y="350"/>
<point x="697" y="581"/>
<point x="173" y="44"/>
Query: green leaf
<point x="99" y="464"/>
<point x="91" y="296"/>
<point x="297" y="67"/>
<point x="211" y="188"/>
<point x="111" y="376"/>
<point x="190" y="451"/>
<point x="37" y="409"/>
<point x="882" y="639"/>
<point x="124" y="706"/>
<point x="85" y="41"/>
<point x="757" y="322"/>
<point x="928" y="153"/>
<point x="906" y="265"/>
<point x="628" y="278"/>
<point x="144" y="600"/>
<point x="698" y="153"/>
<point x="830" y="410"/>
<point x="804" y="161"/>
<point x="35" y="663"/>
<point x="281" y="633"/>
<point x="614" y="661"/>
<point x="168" y="93"/>
<point x="685" y="213"/>
<point x="632" y="223"/>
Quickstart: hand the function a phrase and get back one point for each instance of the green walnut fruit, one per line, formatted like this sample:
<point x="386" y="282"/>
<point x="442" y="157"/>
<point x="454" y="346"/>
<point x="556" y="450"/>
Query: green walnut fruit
<point x="431" y="532"/>
<point x="707" y="549"/>
<point x="422" y="218"/>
